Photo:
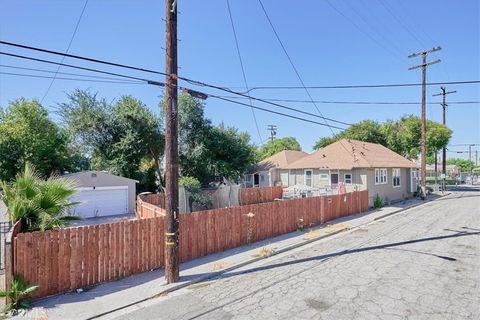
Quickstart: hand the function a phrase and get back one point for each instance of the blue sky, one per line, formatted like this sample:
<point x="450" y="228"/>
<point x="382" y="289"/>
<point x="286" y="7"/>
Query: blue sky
<point x="361" y="42"/>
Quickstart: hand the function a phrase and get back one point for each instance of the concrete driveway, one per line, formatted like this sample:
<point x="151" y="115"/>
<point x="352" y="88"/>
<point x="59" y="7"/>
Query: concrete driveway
<point x="420" y="264"/>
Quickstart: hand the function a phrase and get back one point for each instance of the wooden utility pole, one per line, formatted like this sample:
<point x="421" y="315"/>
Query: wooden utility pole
<point x="444" y="122"/>
<point x="424" y="65"/>
<point x="172" y="260"/>
<point x="273" y="131"/>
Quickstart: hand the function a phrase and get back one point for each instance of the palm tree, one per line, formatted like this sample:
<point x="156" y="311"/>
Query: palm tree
<point x="40" y="204"/>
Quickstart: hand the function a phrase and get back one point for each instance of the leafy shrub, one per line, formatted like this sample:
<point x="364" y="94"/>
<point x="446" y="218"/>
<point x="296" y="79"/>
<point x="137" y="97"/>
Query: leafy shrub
<point x="18" y="290"/>
<point x="40" y="204"/>
<point x="378" y="202"/>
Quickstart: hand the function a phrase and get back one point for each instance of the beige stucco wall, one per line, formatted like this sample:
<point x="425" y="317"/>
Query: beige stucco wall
<point x="362" y="179"/>
<point x="386" y="191"/>
<point x="85" y="179"/>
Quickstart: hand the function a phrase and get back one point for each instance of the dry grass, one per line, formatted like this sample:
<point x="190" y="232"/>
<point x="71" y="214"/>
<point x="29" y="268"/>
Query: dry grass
<point x="264" y="252"/>
<point x="219" y="265"/>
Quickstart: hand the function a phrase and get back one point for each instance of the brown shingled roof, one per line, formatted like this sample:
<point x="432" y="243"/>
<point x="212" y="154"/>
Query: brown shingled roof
<point x="348" y="154"/>
<point x="280" y="160"/>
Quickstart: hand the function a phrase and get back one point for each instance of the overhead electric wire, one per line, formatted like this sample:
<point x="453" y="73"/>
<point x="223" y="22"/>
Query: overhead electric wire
<point x="374" y="28"/>
<point x="73" y="66"/>
<point x="243" y="69"/>
<point x="66" y="51"/>
<point x="386" y="85"/>
<point x="357" y="102"/>
<point x="158" y="83"/>
<point x="291" y="61"/>
<point x="64" y="73"/>
<point x="195" y="82"/>
<point x="275" y="112"/>
<point x="364" y="32"/>
<point x="63" y="78"/>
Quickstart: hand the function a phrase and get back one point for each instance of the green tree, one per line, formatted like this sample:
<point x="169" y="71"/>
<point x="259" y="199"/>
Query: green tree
<point x="366" y="130"/>
<point x="325" y="141"/>
<point x="124" y="138"/>
<point x="206" y="150"/>
<point x="28" y="135"/>
<point x="438" y="136"/>
<point x="464" y="165"/>
<point x="40" y="204"/>
<point x="230" y="153"/>
<point x="402" y="136"/>
<point x="274" y="146"/>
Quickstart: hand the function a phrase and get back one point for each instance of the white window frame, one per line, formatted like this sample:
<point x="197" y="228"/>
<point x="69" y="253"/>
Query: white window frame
<point x="381" y="176"/>
<point x="396" y="170"/>
<point x="345" y="178"/>
<point x="305" y="177"/>
<point x="324" y="176"/>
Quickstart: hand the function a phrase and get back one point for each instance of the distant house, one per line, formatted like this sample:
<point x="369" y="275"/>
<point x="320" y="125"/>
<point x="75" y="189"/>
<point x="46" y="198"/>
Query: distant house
<point x="452" y="170"/>
<point x="102" y="194"/>
<point x="273" y="171"/>
<point x="359" y="166"/>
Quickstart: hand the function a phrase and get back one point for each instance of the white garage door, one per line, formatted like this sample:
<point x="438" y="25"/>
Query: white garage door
<point x="101" y="201"/>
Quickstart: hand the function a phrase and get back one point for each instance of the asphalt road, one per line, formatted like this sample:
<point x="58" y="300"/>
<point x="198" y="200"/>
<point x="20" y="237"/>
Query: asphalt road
<point x="420" y="264"/>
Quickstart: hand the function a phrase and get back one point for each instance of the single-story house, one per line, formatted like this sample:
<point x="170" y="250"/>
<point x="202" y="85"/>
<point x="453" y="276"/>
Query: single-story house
<point x="452" y="170"/>
<point x="268" y="173"/>
<point x="359" y="166"/>
<point x="102" y="194"/>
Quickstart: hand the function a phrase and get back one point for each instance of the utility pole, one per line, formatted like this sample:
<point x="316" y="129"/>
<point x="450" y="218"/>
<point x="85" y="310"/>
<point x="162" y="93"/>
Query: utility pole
<point x="172" y="260"/>
<point x="444" y="122"/>
<point x="273" y="131"/>
<point x="424" y="66"/>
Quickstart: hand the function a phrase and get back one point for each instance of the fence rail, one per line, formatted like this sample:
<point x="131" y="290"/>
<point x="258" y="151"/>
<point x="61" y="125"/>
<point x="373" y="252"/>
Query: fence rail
<point x="66" y="259"/>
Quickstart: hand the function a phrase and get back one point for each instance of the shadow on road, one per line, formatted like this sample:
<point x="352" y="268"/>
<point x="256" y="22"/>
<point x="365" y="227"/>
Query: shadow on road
<point x="356" y="250"/>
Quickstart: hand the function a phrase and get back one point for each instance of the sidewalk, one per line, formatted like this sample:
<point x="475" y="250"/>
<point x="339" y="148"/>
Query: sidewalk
<point x="106" y="298"/>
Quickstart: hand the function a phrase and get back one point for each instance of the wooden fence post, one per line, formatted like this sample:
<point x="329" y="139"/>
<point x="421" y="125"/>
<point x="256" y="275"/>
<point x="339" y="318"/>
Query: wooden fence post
<point x="10" y="256"/>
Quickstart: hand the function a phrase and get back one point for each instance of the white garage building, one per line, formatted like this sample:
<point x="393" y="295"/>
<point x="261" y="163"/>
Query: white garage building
<point x="102" y="194"/>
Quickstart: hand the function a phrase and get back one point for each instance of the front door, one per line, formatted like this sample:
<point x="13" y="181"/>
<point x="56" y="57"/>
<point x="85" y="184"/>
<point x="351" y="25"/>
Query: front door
<point x="334" y="179"/>
<point x="256" y="180"/>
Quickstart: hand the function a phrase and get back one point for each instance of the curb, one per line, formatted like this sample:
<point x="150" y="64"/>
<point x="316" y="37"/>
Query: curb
<point x="409" y="207"/>
<point x="253" y="260"/>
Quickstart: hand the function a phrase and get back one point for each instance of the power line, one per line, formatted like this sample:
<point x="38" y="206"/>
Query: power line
<point x="159" y="83"/>
<point x="364" y="32"/>
<point x="62" y="78"/>
<point x="374" y="28"/>
<point x="298" y="74"/>
<point x="275" y="112"/>
<point x="64" y="73"/>
<point x="357" y="102"/>
<point x="66" y="51"/>
<point x="243" y="69"/>
<point x="290" y="60"/>
<point x="194" y="82"/>
<point x="75" y="67"/>
<point x="386" y="85"/>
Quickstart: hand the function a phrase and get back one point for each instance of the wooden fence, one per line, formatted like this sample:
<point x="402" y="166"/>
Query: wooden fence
<point x="259" y="195"/>
<point x="150" y="206"/>
<point x="66" y="259"/>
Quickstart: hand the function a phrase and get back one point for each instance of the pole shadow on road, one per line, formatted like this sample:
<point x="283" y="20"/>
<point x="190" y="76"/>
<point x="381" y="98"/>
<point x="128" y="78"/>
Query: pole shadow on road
<point x="356" y="250"/>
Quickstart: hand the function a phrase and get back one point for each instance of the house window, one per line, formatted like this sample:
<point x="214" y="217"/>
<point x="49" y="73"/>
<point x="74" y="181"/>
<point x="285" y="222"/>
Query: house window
<point x="381" y="176"/>
<point x="396" y="177"/>
<point x="347" y="178"/>
<point x="308" y="178"/>
<point x="262" y="178"/>
<point x="323" y="176"/>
